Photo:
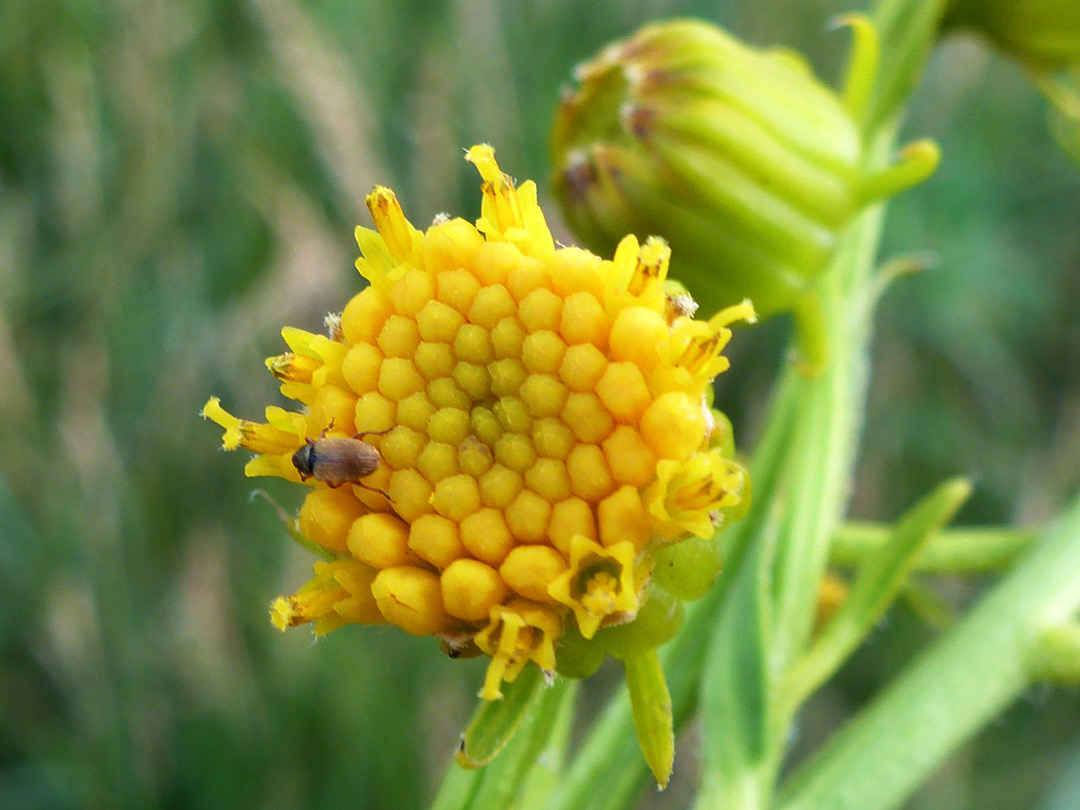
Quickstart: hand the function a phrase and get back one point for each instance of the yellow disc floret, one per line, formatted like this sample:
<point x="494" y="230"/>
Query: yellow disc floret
<point x="517" y="427"/>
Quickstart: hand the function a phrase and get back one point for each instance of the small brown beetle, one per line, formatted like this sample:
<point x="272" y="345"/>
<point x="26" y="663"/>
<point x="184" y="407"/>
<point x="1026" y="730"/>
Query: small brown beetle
<point x="336" y="460"/>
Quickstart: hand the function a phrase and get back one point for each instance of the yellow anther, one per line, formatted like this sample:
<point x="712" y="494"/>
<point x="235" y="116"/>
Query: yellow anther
<point x="339" y="592"/>
<point x="292" y="368"/>
<point x="652" y="266"/>
<point x="254" y="436"/>
<point x="397" y="232"/>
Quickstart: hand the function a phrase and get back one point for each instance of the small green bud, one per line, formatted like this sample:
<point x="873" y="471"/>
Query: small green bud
<point x="741" y="158"/>
<point x="688" y="568"/>
<point x="659" y="618"/>
<point x="576" y="657"/>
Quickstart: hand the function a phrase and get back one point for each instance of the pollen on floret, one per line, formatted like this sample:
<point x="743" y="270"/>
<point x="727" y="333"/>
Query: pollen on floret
<point x="624" y="392"/>
<point x="436" y="539"/>
<point x="327" y="515"/>
<point x="380" y="540"/>
<point x="486" y="536"/>
<point x="529" y="570"/>
<point x="411" y="598"/>
<point x="470" y="589"/>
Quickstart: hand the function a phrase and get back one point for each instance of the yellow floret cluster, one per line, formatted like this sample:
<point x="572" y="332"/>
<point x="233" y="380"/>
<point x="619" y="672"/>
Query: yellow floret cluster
<point x="541" y="424"/>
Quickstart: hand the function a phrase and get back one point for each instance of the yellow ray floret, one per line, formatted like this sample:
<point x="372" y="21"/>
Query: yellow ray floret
<point x="340" y="592"/>
<point x="598" y="585"/>
<point x="686" y="496"/>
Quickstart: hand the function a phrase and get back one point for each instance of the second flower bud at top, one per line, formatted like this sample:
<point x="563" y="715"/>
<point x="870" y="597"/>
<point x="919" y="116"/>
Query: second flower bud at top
<point x="739" y="157"/>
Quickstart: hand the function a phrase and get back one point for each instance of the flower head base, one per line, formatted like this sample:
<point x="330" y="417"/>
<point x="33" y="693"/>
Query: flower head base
<point x="489" y="428"/>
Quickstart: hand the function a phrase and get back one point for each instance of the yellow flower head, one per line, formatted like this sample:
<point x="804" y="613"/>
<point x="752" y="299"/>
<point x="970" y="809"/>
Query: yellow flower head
<point x="496" y="433"/>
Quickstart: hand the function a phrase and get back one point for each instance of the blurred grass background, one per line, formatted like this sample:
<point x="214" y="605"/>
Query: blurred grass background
<point x="179" y="180"/>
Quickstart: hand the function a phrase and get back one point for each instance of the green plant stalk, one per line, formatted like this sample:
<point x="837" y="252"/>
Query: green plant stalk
<point x="908" y="30"/>
<point x="742" y="753"/>
<point x="953" y="551"/>
<point x="960" y="684"/>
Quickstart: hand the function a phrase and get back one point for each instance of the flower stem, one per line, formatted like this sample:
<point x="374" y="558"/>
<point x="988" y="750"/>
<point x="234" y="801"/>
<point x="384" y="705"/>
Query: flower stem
<point x="983" y="550"/>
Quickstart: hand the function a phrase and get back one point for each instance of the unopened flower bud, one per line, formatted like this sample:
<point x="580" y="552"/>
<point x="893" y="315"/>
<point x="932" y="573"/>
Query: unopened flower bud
<point x="740" y="158"/>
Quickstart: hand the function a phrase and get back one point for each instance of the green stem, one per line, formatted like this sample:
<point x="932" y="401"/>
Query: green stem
<point x="775" y="605"/>
<point x="908" y="30"/>
<point x="954" y="551"/>
<point x="875" y="588"/>
<point x="974" y="672"/>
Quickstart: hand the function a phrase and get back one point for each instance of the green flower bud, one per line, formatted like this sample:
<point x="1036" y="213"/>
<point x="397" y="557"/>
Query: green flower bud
<point x="576" y="657"/>
<point x="659" y="618"/>
<point x="688" y="568"/>
<point x="1044" y="34"/>
<point x="741" y="158"/>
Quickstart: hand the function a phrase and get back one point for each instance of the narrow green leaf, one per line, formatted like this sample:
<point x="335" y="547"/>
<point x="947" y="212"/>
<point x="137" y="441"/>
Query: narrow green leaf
<point x="981" y="550"/>
<point x="651" y="706"/>
<point x="978" y="668"/>
<point x="875" y="588"/>
<point x="496" y="721"/>
<point x="499" y="783"/>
